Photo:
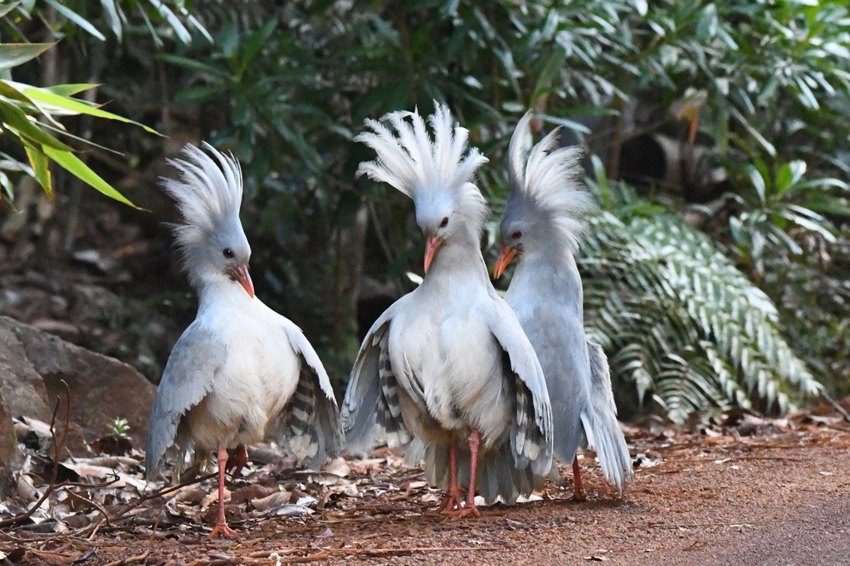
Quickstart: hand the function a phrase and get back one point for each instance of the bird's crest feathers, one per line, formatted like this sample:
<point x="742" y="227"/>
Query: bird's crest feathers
<point x="208" y="195"/>
<point x="547" y="180"/>
<point x="419" y="166"/>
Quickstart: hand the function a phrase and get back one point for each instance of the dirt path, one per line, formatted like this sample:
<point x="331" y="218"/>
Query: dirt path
<point x="781" y="499"/>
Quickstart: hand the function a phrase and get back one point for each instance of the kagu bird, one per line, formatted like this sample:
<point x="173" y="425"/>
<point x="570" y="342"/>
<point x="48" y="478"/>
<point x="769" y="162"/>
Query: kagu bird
<point x="240" y="368"/>
<point x="541" y="224"/>
<point x="448" y="363"/>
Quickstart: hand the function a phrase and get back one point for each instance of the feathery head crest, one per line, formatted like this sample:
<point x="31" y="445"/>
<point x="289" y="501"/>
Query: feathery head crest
<point x="209" y="196"/>
<point x="545" y="184"/>
<point x="431" y="172"/>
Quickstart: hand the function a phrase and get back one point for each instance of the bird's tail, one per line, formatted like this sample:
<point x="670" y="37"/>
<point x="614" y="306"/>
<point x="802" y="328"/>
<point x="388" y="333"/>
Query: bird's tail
<point x="601" y="425"/>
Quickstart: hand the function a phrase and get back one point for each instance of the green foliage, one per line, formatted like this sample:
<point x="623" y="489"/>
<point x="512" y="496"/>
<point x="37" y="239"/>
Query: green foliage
<point x="762" y="86"/>
<point x="119" y="428"/>
<point x="30" y="115"/>
<point x="682" y="323"/>
<point x="779" y="203"/>
<point x="21" y="107"/>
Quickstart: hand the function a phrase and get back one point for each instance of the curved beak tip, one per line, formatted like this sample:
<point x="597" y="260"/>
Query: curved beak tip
<point x="505" y="256"/>
<point x="432" y="243"/>
<point x="240" y="274"/>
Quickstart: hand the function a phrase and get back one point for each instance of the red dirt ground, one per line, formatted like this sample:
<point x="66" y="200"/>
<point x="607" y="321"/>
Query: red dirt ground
<point x="779" y="497"/>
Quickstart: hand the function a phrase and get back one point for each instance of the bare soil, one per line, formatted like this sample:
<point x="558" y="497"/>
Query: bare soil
<point x="772" y="493"/>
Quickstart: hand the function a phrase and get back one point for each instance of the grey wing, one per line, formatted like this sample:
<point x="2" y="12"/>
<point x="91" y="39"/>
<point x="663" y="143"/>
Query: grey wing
<point x="601" y="426"/>
<point x="371" y="408"/>
<point x="531" y="433"/>
<point x="187" y="379"/>
<point x="312" y="422"/>
<point x="559" y="341"/>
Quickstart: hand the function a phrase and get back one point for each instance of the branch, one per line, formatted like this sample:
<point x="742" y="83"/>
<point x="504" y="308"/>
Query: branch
<point x="57" y="449"/>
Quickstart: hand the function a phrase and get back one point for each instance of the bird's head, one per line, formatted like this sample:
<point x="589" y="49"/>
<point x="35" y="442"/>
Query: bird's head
<point x="212" y="244"/>
<point x="547" y="202"/>
<point x="436" y="173"/>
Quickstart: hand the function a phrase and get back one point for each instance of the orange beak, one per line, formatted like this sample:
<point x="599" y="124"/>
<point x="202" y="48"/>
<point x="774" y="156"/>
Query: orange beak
<point x="240" y="274"/>
<point x="432" y="243"/>
<point x="505" y="257"/>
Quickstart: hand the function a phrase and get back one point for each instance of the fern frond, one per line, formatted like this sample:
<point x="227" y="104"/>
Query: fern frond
<point x="680" y="321"/>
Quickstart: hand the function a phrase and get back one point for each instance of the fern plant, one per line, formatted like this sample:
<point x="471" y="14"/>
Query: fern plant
<point x="681" y="323"/>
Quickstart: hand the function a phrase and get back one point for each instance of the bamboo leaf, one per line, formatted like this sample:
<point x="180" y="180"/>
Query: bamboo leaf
<point x="14" y="54"/>
<point x="76" y="18"/>
<point x="78" y="107"/>
<point x="14" y="119"/>
<point x="41" y="169"/>
<point x="76" y="167"/>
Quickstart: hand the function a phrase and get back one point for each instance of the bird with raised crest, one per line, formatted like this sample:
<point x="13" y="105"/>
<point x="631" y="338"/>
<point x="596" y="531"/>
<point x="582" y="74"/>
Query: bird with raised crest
<point x="541" y="225"/>
<point x="240" y="371"/>
<point x="446" y="371"/>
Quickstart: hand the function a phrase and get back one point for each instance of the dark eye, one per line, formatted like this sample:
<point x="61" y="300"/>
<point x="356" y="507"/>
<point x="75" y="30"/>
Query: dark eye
<point x="227" y="252"/>
<point x="516" y="235"/>
<point x="445" y="222"/>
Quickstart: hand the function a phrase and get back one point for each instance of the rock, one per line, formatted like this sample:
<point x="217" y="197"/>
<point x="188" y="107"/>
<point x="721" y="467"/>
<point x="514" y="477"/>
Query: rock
<point x="8" y="448"/>
<point x="22" y="387"/>
<point x="33" y="365"/>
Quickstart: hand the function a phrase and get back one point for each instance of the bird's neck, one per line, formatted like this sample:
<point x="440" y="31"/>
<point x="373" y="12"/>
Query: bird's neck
<point x="219" y="292"/>
<point x="458" y="262"/>
<point x="549" y="272"/>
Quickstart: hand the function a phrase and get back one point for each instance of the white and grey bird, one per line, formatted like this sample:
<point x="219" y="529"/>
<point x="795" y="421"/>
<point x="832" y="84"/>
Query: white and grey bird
<point x="542" y="222"/>
<point x="447" y="368"/>
<point x="239" y="370"/>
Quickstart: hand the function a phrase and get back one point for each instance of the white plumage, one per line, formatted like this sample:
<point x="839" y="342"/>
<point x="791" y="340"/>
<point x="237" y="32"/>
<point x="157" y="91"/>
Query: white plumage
<point x="240" y="370"/>
<point x="449" y="361"/>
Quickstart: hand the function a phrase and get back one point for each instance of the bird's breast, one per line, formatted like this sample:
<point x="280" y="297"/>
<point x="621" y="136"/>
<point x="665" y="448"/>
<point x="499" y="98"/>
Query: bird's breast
<point x="256" y="381"/>
<point x="457" y="363"/>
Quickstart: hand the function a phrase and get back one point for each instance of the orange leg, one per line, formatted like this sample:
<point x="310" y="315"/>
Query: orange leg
<point x="452" y="500"/>
<point x="474" y="442"/>
<point x="578" y="489"/>
<point x="221" y="527"/>
<point x="237" y="461"/>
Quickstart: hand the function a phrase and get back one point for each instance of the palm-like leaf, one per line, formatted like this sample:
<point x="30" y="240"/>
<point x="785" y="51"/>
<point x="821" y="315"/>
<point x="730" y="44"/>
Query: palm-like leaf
<point x="680" y="321"/>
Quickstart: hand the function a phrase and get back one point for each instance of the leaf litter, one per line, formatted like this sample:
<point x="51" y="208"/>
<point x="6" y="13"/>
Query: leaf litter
<point x="100" y="510"/>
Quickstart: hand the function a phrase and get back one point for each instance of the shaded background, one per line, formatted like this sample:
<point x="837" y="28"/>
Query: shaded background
<point x="716" y="273"/>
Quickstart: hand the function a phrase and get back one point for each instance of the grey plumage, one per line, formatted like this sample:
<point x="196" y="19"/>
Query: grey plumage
<point x="450" y="357"/>
<point x="187" y="379"/>
<point x="542" y="223"/>
<point x="240" y="370"/>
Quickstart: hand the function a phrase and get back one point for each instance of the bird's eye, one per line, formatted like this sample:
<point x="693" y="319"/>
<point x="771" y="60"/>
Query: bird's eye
<point x="516" y="235"/>
<point x="227" y="252"/>
<point x="445" y="222"/>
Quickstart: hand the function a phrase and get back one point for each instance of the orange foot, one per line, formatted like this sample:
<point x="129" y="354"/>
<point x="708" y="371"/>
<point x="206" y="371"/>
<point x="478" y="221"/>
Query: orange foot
<point x="579" y="494"/>
<point x="462" y="512"/>
<point x="223" y="530"/>
<point x="450" y="502"/>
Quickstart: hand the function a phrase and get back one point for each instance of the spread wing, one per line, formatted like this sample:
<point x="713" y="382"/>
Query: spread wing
<point x="603" y="431"/>
<point x="312" y="416"/>
<point x="371" y="409"/>
<point x="187" y="379"/>
<point x="531" y="433"/>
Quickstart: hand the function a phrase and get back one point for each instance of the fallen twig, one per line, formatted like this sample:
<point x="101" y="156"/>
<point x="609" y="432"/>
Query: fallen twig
<point x="57" y="448"/>
<point x="837" y="407"/>
<point x="94" y="527"/>
<point x="76" y="496"/>
<point x="326" y="553"/>
<point x="131" y="560"/>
